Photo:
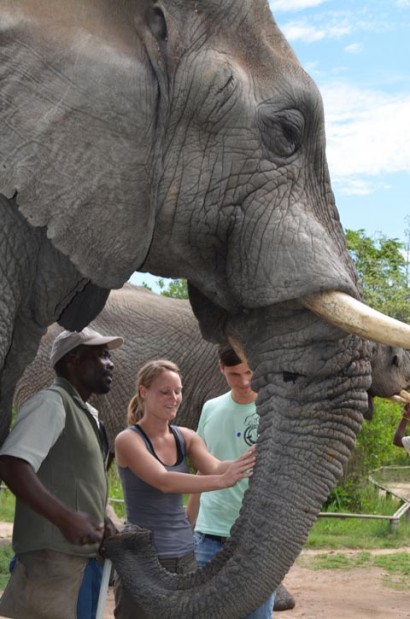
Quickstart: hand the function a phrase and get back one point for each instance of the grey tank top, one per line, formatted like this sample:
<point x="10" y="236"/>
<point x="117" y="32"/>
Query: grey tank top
<point x="161" y="513"/>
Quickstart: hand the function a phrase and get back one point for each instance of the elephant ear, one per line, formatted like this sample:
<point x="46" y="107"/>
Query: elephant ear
<point x="78" y="97"/>
<point x="84" y="307"/>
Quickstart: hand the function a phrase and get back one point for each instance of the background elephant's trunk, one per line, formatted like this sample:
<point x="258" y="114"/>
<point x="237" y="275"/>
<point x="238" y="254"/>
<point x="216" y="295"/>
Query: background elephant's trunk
<point x="312" y="394"/>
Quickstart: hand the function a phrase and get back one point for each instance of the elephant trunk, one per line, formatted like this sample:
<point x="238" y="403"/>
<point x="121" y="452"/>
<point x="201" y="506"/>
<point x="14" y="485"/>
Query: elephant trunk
<point x="311" y="397"/>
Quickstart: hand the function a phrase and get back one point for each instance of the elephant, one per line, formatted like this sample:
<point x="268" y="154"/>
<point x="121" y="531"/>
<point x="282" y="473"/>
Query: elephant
<point x="153" y="326"/>
<point x="157" y="326"/>
<point x="185" y="139"/>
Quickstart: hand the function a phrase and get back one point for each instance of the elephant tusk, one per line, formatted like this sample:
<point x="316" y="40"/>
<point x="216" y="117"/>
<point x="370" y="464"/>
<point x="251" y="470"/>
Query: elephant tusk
<point x="238" y="348"/>
<point x="398" y="399"/>
<point x="352" y="316"/>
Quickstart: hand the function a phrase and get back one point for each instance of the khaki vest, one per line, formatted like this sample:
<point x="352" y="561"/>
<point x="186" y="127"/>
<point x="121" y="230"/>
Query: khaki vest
<point x="73" y="472"/>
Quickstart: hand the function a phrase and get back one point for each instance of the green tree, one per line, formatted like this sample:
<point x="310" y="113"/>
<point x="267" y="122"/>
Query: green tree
<point x="382" y="267"/>
<point x="177" y="288"/>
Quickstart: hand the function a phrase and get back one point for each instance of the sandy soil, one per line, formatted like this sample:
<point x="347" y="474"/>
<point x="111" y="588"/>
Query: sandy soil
<point x="327" y="594"/>
<point x="338" y="594"/>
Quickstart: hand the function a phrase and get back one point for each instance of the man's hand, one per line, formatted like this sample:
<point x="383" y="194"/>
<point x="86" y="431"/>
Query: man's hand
<point x="77" y="527"/>
<point x="80" y="528"/>
<point x="109" y="528"/>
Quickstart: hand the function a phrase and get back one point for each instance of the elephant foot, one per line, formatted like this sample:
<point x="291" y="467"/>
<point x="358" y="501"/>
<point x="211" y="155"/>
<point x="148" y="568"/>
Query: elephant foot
<point x="283" y="599"/>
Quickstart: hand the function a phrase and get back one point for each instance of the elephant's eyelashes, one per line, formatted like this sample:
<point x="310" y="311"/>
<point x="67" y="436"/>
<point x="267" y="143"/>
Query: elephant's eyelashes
<point x="282" y="132"/>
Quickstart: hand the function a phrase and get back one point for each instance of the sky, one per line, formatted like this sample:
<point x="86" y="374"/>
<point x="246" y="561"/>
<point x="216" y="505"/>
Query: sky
<point x="358" y="53"/>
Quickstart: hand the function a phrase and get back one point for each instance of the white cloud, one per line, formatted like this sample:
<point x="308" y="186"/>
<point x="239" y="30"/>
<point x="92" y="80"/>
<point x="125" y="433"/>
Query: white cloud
<point x="354" y="48"/>
<point x="294" y="5"/>
<point x="301" y="30"/>
<point x="368" y="134"/>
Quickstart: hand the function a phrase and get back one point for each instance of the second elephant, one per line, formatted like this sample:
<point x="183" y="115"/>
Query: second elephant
<point x="153" y="327"/>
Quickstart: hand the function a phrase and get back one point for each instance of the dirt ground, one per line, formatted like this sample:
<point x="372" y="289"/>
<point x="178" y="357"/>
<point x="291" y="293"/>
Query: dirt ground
<point x="337" y="594"/>
<point x="327" y="594"/>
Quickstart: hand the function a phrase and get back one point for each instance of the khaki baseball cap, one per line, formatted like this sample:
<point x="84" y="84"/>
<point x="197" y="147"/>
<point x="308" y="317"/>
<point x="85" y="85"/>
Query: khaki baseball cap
<point x="68" y="340"/>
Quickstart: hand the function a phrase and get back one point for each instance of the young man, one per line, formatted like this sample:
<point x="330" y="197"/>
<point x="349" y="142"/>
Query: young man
<point x="229" y="426"/>
<point x="399" y="439"/>
<point x="54" y="462"/>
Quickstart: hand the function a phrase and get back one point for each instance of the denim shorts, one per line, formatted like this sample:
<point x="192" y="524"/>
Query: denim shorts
<point x="205" y="549"/>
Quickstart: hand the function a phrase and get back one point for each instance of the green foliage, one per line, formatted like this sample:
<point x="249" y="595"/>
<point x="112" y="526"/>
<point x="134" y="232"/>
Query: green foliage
<point x="177" y="288"/>
<point x="375" y="439"/>
<point x="115" y="491"/>
<point x="7" y="505"/>
<point x="358" y="533"/>
<point x="374" y="449"/>
<point x="146" y="286"/>
<point x="6" y="553"/>
<point x="382" y="267"/>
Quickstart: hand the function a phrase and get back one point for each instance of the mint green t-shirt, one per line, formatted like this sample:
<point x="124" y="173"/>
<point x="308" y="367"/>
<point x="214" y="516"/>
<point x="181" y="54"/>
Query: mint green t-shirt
<point x="228" y="429"/>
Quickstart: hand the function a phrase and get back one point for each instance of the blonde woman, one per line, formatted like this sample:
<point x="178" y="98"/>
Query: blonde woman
<point x="151" y="455"/>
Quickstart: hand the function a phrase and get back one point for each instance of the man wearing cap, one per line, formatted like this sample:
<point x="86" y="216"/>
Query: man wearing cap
<point x="53" y="461"/>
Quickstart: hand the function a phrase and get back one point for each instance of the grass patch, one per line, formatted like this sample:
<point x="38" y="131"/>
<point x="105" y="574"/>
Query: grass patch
<point x="7" y="505"/>
<point x="6" y="553"/>
<point x="115" y="491"/>
<point x="396" y="565"/>
<point x="359" y="533"/>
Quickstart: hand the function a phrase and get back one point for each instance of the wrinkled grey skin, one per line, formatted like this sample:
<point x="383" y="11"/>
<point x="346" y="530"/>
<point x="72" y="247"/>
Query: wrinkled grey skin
<point x="37" y="286"/>
<point x="390" y="370"/>
<point x="153" y="327"/>
<point x="185" y="139"/>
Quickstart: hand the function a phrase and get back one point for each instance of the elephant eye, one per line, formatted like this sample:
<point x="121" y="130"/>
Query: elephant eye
<point x="282" y="132"/>
<point x="158" y="24"/>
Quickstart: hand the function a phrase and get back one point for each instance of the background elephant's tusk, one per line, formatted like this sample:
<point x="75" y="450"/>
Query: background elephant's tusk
<point x="398" y="399"/>
<point x="404" y="395"/>
<point x="352" y="316"/>
<point x="238" y="348"/>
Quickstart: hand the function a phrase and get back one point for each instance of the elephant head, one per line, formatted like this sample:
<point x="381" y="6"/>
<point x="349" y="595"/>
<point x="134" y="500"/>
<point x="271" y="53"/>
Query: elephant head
<point x="185" y="139"/>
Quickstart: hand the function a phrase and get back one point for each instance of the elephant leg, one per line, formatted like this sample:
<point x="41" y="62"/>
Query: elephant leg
<point x="23" y="347"/>
<point x="38" y="285"/>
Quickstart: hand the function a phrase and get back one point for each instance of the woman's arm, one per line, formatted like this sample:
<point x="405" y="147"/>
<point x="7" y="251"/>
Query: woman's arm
<point x="202" y="460"/>
<point x="131" y="452"/>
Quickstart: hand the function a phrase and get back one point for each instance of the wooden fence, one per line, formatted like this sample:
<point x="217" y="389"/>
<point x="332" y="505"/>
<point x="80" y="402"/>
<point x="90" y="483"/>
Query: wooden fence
<point x="394" y="520"/>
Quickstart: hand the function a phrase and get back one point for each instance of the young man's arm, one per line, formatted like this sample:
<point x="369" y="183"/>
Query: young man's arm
<point x="401" y="428"/>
